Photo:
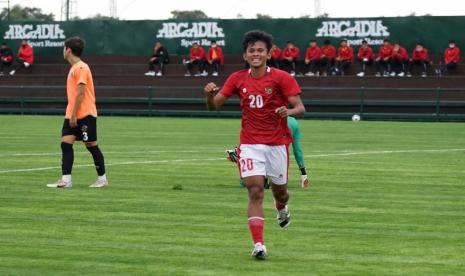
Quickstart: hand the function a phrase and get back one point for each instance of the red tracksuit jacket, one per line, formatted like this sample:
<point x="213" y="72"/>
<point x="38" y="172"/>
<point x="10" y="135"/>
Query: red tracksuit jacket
<point x="27" y="53"/>
<point x="365" y="53"/>
<point x="420" y="55"/>
<point x="345" y="53"/>
<point x="401" y="54"/>
<point x="329" y="51"/>
<point x="294" y="53"/>
<point x="452" y="55"/>
<point x="276" y="54"/>
<point x="219" y="53"/>
<point x="313" y="53"/>
<point x="385" y="51"/>
<point x="197" y="53"/>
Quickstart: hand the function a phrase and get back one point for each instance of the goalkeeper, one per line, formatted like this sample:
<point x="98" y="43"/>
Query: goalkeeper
<point x="296" y="148"/>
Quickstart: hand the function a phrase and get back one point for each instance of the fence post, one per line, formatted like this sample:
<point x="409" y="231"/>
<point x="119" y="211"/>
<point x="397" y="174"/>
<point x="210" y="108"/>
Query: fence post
<point x="362" y="100"/>
<point x="438" y="103"/>
<point x="150" y="98"/>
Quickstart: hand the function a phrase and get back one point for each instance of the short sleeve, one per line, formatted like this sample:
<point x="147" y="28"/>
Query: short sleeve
<point x="80" y="75"/>
<point x="229" y="88"/>
<point x="289" y="85"/>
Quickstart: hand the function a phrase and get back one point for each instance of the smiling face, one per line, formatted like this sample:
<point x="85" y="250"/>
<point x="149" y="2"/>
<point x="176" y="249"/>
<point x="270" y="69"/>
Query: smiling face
<point x="257" y="54"/>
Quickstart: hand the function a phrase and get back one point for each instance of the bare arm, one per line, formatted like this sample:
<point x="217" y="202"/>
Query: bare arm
<point x="214" y="102"/>
<point x="81" y="90"/>
<point x="297" y="109"/>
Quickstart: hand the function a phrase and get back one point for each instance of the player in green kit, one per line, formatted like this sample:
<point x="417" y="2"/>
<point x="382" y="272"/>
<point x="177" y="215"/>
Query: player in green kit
<point x="296" y="148"/>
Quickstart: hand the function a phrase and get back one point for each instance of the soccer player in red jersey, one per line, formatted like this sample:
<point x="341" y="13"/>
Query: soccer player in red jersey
<point x="264" y="94"/>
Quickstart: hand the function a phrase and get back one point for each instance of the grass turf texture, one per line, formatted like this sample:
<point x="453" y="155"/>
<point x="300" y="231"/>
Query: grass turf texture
<point x="368" y="211"/>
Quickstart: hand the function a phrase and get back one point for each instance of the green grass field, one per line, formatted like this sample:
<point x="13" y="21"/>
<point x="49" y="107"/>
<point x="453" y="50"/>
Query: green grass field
<point x="385" y="199"/>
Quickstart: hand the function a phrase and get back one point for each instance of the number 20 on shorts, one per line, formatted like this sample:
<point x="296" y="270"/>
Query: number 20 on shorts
<point x="246" y="164"/>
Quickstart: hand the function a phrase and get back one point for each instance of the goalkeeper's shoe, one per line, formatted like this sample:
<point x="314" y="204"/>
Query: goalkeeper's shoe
<point x="259" y="251"/>
<point x="61" y="184"/>
<point x="304" y="181"/>
<point x="231" y="155"/>
<point x="284" y="217"/>
<point x="99" y="184"/>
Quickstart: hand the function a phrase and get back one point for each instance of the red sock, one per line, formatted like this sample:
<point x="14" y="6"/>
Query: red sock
<point x="256" y="229"/>
<point x="279" y="206"/>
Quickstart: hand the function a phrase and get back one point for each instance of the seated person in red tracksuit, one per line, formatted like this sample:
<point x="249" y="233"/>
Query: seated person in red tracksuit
<point x="275" y="59"/>
<point x="384" y="59"/>
<point x="328" y="55"/>
<point x="419" y="57"/>
<point x="345" y="55"/>
<point x="215" y="57"/>
<point x="451" y="58"/>
<point x="6" y="57"/>
<point x="290" y="58"/>
<point x="312" y="58"/>
<point x="365" y="57"/>
<point x="399" y="60"/>
<point x="197" y="58"/>
<point x="25" y="57"/>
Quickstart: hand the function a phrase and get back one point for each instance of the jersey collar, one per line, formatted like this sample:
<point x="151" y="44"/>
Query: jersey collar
<point x="268" y="69"/>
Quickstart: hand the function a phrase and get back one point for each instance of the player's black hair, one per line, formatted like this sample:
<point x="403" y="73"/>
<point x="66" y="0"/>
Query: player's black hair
<point x="213" y="41"/>
<point x="76" y="44"/>
<point x="252" y="37"/>
<point x="3" y="43"/>
<point x="312" y="40"/>
<point x="385" y="40"/>
<point x="327" y="42"/>
<point x="452" y="41"/>
<point x="364" y="42"/>
<point x="419" y="43"/>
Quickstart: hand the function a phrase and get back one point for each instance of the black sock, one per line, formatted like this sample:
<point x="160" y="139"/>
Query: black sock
<point x="67" y="158"/>
<point x="98" y="159"/>
<point x="303" y="171"/>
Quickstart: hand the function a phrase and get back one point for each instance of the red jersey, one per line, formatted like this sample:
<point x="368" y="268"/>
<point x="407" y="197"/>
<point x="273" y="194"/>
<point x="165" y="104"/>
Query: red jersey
<point x="294" y="53"/>
<point x="346" y="53"/>
<point x="276" y="53"/>
<point x="27" y="53"/>
<point x="452" y="55"/>
<point x="420" y="55"/>
<point x="197" y="53"/>
<point x="259" y="99"/>
<point x="400" y="54"/>
<point x="365" y="53"/>
<point x="313" y="53"/>
<point x="385" y="51"/>
<point x="329" y="51"/>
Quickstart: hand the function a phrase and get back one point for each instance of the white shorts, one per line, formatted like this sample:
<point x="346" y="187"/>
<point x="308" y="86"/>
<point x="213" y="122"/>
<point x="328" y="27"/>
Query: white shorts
<point x="269" y="161"/>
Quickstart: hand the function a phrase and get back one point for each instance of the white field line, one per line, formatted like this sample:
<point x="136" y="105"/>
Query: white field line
<point x="217" y="159"/>
<point x="109" y="152"/>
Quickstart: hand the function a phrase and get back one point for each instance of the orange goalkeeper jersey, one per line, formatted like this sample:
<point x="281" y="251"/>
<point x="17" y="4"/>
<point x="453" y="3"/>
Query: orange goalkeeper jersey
<point x="80" y="74"/>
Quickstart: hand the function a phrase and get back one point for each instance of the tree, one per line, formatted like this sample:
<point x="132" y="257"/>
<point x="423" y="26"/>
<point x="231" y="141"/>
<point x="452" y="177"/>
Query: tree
<point x="99" y="16"/>
<point x="324" y="15"/>
<point x="19" y="13"/>
<point x="188" y="15"/>
<point x="263" y="16"/>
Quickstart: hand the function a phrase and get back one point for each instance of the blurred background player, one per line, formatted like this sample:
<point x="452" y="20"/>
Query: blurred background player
<point x="275" y="58"/>
<point x="215" y="58"/>
<point x="451" y="58"/>
<point x="383" y="61"/>
<point x="312" y="58"/>
<point x="25" y="57"/>
<point x="197" y="58"/>
<point x="158" y="60"/>
<point x="290" y="58"/>
<point x="345" y="55"/>
<point x="420" y="57"/>
<point x="296" y="149"/>
<point x="6" y="57"/>
<point x="265" y="94"/>
<point x="399" y="60"/>
<point x="81" y="116"/>
<point x="365" y="57"/>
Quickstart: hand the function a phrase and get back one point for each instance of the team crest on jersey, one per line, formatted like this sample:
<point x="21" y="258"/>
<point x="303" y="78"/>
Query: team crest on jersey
<point x="244" y="90"/>
<point x="268" y="90"/>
